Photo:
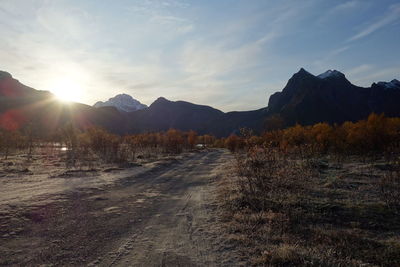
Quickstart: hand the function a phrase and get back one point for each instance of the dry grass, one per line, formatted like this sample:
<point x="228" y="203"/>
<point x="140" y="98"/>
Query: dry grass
<point x="282" y="211"/>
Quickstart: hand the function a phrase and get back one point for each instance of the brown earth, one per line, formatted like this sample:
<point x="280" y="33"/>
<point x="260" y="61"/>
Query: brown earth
<point x="158" y="214"/>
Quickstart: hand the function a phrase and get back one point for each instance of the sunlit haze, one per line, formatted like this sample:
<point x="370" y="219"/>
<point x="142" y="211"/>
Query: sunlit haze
<point x="231" y="55"/>
<point x="67" y="90"/>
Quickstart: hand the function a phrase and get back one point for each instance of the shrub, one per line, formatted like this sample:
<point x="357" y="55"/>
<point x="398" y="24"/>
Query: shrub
<point x="269" y="181"/>
<point x="390" y="189"/>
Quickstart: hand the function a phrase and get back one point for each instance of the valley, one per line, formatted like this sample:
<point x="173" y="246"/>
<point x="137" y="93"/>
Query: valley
<point x="176" y="133"/>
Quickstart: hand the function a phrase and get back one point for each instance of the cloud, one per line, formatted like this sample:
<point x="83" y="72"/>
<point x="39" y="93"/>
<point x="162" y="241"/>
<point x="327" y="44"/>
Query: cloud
<point x="214" y="67"/>
<point x="214" y="72"/>
<point x="58" y="41"/>
<point x="152" y="48"/>
<point x="326" y="60"/>
<point x="366" y="74"/>
<point x="177" y="24"/>
<point x="338" y="51"/>
<point x="341" y="9"/>
<point x="211" y="60"/>
<point x="392" y="15"/>
<point x="385" y="74"/>
<point x="348" y="5"/>
<point x="359" y="70"/>
<point x="59" y="23"/>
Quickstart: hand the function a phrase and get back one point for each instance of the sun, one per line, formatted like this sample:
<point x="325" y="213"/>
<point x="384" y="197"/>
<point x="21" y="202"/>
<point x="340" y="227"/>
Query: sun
<point x="67" y="90"/>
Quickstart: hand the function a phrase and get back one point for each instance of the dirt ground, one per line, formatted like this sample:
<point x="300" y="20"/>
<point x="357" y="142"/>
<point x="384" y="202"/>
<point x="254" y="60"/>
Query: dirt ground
<point x="161" y="213"/>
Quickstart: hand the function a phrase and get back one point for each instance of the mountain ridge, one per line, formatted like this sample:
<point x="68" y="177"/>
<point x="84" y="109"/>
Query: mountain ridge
<point x="122" y="102"/>
<point x="309" y="99"/>
<point x="306" y="99"/>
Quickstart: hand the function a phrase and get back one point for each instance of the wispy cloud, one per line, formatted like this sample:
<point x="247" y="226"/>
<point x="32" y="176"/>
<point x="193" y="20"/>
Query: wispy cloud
<point x="177" y="24"/>
<point x="365" y="74"/>
<point x="348" y="5"/>
<point x="338" y="51"/>
<point x="341" y="9"/>
<point x="183" y="50"/>
<point x="359" y="70"/>
<point x="325" y="62"/>
<point x="392" y="15"/>
<point x="133" y="53"/>
<point x="60" y="41"/>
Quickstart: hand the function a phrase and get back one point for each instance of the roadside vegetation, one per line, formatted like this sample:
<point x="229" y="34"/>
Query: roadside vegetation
<point x="318" y="195"/>
<point x="93" y="147"/>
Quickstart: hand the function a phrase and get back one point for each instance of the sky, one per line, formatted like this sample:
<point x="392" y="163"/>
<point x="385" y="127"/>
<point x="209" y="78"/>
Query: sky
<point x="228" y="54"/>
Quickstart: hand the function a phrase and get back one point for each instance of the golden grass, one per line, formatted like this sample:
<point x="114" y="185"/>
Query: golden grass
<point x="309" y="216"/>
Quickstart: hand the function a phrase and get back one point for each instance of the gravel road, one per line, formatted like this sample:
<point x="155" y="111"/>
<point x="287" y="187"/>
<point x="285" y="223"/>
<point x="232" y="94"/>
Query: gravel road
<point x="165" y="215"/>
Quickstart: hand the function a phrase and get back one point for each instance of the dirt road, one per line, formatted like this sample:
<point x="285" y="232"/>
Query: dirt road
<point x="163" y="215"/>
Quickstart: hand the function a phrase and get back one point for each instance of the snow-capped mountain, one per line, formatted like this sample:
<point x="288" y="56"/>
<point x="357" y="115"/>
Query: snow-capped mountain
<point x="394" y="84"/>
<point x="330" y="97"/>
<point x="330" y="73"/>
<point x="122" y="102"/>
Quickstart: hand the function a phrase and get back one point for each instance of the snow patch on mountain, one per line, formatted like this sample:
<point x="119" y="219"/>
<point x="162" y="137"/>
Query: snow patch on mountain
<point x="394" y="84"/>
<point x="122" y="102"/>
<point x="330" y="73"/>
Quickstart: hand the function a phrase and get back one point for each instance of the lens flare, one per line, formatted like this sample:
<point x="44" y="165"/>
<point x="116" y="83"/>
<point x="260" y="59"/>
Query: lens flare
<point x="67" y="90"/>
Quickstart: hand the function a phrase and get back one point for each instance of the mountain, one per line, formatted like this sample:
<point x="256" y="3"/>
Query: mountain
<point x="330" y="97"/>
<point x="330" y="73"/>
<point x="394" y="84"/>
<point x="306" y="99"/>
<point x="164" y="114"/>
<point x="22" y="107"/>
<point x="122" y="102"/>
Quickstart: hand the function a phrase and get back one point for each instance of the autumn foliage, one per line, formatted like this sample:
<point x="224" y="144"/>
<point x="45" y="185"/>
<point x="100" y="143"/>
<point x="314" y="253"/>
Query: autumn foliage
<point x="96" y="145"/>
<point x="375" y="134"/>
<point x="295" y="194"/>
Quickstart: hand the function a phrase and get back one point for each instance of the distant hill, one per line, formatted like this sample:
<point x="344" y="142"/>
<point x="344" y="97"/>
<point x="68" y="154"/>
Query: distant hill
<point x="122" y="102"/>
<point x="306" y="99"/>
<point x="164" y="114"/>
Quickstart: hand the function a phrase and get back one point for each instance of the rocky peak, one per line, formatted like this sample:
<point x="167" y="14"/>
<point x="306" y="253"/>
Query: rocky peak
<point x="331" y="74"/>
<point x="394" y="84"/>
<point x="161" y="101"/>
<point x="4" y="74"/>
<point x="123" y="102"/>
<point x="303" y="72"/>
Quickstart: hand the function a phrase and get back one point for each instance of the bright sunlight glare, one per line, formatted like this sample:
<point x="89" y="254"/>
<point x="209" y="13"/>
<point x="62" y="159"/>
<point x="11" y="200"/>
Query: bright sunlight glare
<point x="67" y="90"/>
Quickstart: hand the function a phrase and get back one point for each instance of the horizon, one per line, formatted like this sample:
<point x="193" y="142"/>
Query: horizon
<point x="188" y="51"/>
<point x="205" y="104"/>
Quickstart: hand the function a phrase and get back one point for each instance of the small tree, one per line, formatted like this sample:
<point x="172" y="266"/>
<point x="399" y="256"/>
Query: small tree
<point x="173" y="141"/>
<point x="192" y="139"/>
<point x="232" y="142"/>
<point x="70" y="139"/>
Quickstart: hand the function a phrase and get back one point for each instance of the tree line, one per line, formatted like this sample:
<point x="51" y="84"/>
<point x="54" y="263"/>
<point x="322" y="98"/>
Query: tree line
<point x="376" y="134"/>
<point x="97" y="144"/>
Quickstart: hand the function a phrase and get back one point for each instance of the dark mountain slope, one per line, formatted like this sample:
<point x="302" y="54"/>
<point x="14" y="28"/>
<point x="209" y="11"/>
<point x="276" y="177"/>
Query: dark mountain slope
<point x="232" y="122"/>
<point x="22" y="107"/>
<point x="164" y="114"/>
<point x="330" y="97"/>
<point x="306" y="99"/>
